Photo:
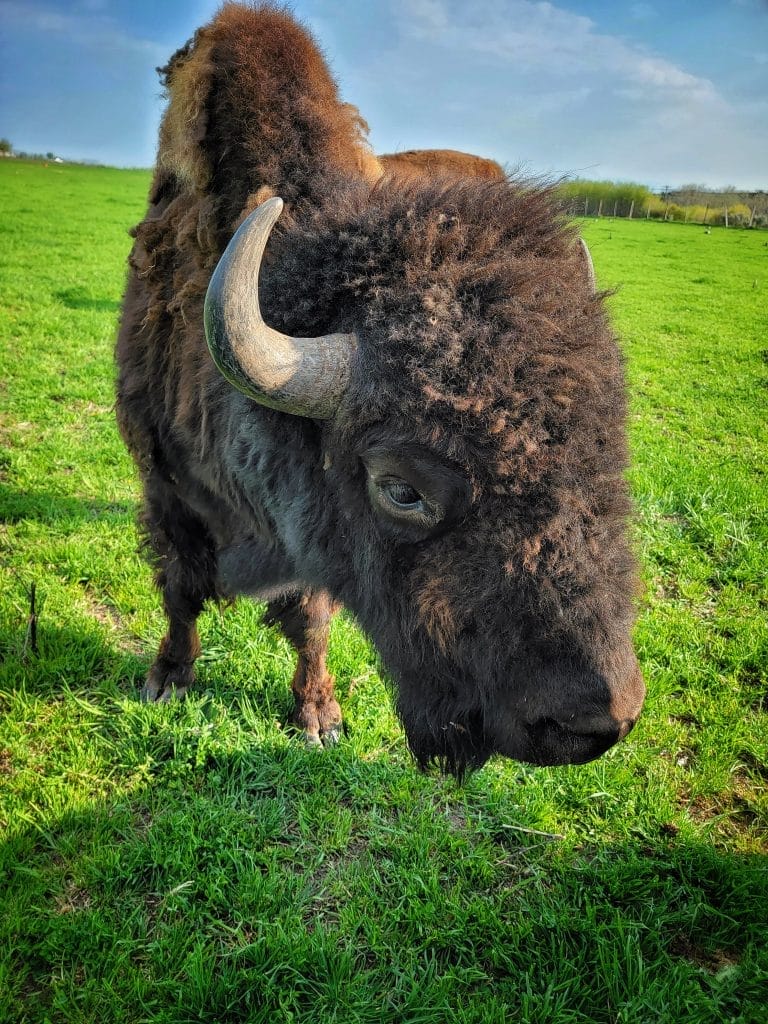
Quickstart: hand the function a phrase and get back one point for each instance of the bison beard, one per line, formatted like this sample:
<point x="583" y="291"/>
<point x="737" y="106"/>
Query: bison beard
<point x="417" y="412"/>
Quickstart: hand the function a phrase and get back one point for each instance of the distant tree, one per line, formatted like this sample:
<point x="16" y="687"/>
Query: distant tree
<point x="5" y="147"/>
<point x="584" y="196"/>
<point x="50" y="156"/>
<point x="693" y="203"/>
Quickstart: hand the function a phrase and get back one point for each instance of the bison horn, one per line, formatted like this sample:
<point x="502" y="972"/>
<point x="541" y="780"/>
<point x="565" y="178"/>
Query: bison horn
<point x="589" y="267"/>
<point x="302" y="376"/>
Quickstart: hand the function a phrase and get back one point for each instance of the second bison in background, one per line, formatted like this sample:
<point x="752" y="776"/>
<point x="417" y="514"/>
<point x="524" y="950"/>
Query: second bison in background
<point x="418" y="413"/>
<point x="439" y="162"/>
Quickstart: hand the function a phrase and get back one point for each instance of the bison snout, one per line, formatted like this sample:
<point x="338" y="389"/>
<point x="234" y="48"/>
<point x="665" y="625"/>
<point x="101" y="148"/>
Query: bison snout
<point x="553" y="742"/>
<point x="599" y="726"/>
<point x="575" y="735"/>
<point x="627" y="702"/>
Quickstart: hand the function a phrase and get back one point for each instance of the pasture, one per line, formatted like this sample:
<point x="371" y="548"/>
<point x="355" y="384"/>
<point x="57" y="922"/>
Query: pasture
<point x="193" y="862"/>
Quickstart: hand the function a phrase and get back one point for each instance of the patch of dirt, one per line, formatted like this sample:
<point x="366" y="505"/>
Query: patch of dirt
<point x="73" y="898"/>
<point x="328" y="896"/>
<point x="142" y="821"/>
<point x="711" y="961"/>
<point x="685" y="758"/>
<point x="665" y="590"/>
<point x="6" y="762"/>
<point x="669" y="829"/>
<point x="105" y="612"/>
<point x="734" y="811"/>
<point x="457" y="817"/>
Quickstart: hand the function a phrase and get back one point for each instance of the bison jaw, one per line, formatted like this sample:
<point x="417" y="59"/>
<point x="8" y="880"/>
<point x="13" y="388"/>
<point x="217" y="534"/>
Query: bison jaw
<point x="539" y="725"/>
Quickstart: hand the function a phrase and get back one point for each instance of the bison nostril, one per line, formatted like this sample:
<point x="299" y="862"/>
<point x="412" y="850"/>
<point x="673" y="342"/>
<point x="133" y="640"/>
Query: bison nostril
<point x="596" y="726"/>
<point x="626" y="726"/>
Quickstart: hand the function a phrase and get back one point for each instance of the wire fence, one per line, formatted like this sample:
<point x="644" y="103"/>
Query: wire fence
<point x="705" y="213"/>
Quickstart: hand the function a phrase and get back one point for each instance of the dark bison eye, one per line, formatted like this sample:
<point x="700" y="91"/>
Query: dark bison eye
<point x="412" y="494"/>
<point x="400" y="493"/>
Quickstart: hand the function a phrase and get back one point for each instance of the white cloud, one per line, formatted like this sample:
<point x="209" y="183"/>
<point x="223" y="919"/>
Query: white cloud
<point x="552" y="90"/>
<point x="92" y="29"/>
<point x="538" y="37"/>
<point x="661" y="74"/>
<point x="430" y="14"/>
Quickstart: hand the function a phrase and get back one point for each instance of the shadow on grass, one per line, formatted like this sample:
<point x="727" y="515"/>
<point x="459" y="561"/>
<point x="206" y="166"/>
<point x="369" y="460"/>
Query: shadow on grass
<point x="208" y="868"/>
<point x="79" y="660"/>
<point x="78" y="298"/>
<point x="225" y="891"/>
<point x="17" y="505"/>
<point x="84" y="662"/>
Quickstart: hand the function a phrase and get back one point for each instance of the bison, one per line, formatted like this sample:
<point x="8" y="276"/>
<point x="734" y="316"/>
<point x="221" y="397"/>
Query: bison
<point x="403" y="397"/>
<point x="418" y="162"/>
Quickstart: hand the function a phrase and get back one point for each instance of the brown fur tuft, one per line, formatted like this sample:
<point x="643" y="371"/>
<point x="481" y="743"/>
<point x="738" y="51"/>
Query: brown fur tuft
<point x="435" y="163"/>
<point x="241" y="117"/>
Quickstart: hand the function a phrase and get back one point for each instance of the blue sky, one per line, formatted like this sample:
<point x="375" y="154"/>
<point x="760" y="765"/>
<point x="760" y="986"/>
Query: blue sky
<point x="663" y="91"/>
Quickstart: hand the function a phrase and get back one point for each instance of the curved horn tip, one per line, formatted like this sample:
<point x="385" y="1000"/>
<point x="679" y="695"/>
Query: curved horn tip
<point x="275" y="203"/>
<point x="266" y="213"/>
<point x="300" y="376"/>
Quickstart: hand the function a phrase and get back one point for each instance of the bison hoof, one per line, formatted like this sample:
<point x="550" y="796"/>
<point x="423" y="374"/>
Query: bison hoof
<point x="166" y="683"/>
<point x="319" y="723"/>
<point x="328" y="738"/>
<point x="332" y="735"/>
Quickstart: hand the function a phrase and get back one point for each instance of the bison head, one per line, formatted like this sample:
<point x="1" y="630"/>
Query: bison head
<point x="461" y="449"/>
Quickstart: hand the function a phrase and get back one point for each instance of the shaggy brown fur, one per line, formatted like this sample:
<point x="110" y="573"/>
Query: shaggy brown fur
<point x="417" y="163"/>
<point x="227" y="127"/>
<point x="484" y="361"/>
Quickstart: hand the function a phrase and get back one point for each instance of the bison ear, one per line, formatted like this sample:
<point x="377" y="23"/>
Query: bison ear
<point x="301" y="376"/>
<point x="588" y="267"/>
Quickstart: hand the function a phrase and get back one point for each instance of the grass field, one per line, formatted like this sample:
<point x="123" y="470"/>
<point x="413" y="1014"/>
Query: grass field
<point x="194" y="863"/>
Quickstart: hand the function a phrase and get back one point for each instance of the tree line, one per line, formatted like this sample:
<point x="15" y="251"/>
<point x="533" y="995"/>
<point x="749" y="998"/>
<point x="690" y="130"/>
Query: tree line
<point x="695" y="204"/>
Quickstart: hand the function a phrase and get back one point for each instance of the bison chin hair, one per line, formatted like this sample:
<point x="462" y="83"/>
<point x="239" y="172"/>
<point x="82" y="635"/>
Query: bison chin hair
<point x="453" y="740"/>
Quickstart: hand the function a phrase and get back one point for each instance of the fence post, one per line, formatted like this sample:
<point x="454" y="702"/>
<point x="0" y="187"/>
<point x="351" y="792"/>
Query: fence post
<point x="631" y="209"/>
<point x="726" y="215"/>
<point x="752" y="216"/>
<point x="600" y="208"/>
<point x="586" y="207"/>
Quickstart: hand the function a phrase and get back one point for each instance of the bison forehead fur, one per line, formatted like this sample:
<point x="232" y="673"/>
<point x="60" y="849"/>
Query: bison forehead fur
<point x="465" y="499"/>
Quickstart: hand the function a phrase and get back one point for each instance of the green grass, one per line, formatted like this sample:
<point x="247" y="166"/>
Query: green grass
<point x="194" y="863"/>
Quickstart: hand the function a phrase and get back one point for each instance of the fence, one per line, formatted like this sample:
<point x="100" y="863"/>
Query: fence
<point x="655" y="208"/>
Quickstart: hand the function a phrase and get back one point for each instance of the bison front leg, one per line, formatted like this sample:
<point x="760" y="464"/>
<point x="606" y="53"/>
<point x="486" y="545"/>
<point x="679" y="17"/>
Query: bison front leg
<point x="185" y="573"/>
<point x="305" y="620"/>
